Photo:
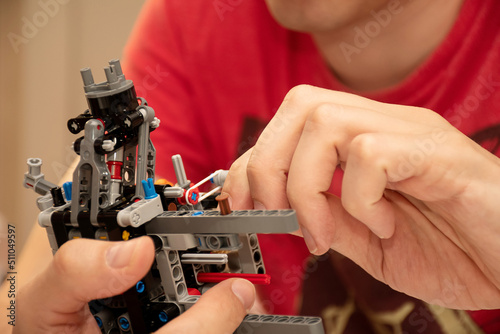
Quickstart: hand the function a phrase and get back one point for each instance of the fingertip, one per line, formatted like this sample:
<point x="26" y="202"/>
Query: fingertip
<point x="122" y="254"/>
<point x="318" y="245"/>
<point x="309" y="240"/>
<point x="321" y="249"/>
<point x="147" y="243"/>
<point x="382" y="220"/>
<point x="385" y="230"/>
<point x="86" y="269"/>
<point x="258" y="205"/>
<point x="119" y="255"/>
<point x="317" y="224"/>
<point x="236" y="184"/>
<point x="245" y="292"/>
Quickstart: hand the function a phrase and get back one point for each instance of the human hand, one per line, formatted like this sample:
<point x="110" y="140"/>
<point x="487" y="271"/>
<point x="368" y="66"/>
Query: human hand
<point x="83" y="270"/>
<point x="418" y="208"/>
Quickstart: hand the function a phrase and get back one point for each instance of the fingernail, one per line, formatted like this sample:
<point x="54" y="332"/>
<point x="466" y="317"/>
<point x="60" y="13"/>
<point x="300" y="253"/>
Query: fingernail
<point x="378" y="233"/>
<point x="245" y="291"/>
<point x="258" y="205"/>
<point x="311" y="244"/>
<point x="120" y="254"/>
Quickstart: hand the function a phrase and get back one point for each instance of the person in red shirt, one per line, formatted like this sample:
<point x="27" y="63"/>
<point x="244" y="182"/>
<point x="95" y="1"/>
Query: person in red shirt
<point x="418" y="197"/>
<point x="217" y="73"/>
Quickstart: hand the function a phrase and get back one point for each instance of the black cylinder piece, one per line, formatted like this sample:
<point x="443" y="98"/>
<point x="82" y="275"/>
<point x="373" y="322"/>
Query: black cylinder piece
<point x="77" y="124"/>
<point x="57" y="196"/>
<point x="134" y="119"/>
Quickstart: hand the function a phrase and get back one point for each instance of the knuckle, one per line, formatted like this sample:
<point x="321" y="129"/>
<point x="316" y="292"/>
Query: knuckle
<point x="64" y="259"/>
<point x="350" y="204"/>
<point x="261" y="165"/>
<point x="298" y="93"/>
<point x="365" y="147"/>
<point x="240" y="164"/>
<point x="237" y="172"/>
<point x="237" y="166"/>
<point x="432" y="117"/>
<point x="325" y="115"/>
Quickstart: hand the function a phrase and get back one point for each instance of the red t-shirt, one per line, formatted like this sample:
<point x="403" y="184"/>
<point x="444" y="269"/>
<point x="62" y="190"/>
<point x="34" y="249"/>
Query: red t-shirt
<point x="216" y="71"/>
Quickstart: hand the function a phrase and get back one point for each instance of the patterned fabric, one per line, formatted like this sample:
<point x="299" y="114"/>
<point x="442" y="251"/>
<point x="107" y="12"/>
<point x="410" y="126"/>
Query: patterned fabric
<point x="361" y="304"/>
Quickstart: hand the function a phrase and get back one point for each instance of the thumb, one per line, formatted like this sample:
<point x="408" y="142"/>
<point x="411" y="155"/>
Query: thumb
<point x="220" y="310"/>
<point x="83" y="270"/>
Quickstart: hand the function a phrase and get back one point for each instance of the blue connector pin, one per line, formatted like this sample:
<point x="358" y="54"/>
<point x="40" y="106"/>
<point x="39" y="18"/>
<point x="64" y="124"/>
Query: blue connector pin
<point x="67" y="190"/>
<point x="149" y="189"/>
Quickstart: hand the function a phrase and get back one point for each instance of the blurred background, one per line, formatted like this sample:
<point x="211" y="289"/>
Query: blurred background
<point x="43" y="46"/>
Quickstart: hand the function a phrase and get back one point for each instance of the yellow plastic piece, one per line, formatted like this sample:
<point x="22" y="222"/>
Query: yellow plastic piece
<point x="164" y="182"/>
<point x="125" y="235"/>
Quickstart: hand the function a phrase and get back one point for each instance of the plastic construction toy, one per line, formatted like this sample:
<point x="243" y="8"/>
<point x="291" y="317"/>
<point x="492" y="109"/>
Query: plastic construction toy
<point x="113" y="197"/>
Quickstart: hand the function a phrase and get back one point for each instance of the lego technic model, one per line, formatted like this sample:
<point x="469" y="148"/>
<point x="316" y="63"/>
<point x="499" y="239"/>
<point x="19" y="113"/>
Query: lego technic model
<point x="113" y="197"/>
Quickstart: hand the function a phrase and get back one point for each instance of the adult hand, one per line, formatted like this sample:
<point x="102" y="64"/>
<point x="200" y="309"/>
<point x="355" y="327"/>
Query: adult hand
<point x="83" y="270"/>
<point x="419" y="206"/>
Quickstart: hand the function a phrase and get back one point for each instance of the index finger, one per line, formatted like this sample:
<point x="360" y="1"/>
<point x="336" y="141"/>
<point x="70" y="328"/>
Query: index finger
<point x="268" y="165"/>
